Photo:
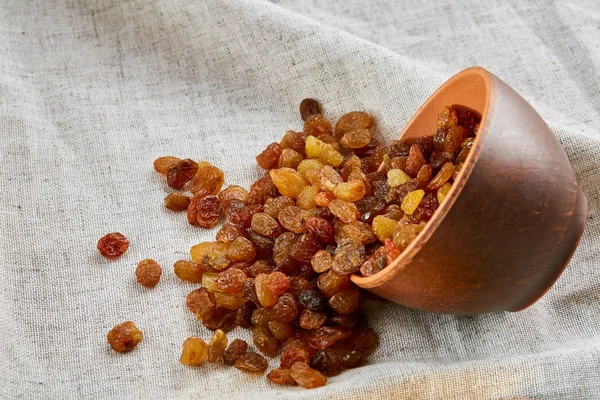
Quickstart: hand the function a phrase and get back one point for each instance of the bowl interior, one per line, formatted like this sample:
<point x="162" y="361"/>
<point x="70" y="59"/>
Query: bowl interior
<point x="470" y="88"/>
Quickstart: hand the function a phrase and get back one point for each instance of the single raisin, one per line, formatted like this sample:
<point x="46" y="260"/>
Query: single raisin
<point x="295" y="141"/>
<point x="179" y="173"/>
<point x="263" y="293"/>
<point x="312" y="319"/>
<point x="309" y="107"/>
<point x="307" y="377"/>
<point x="320" y="229"/>
<point x="216" y="346"/>
<point x="124" y="337"/>
<point x="251" y="362"/>
<point x="274" y="205"/>
<point x="221" y="318"/>
<point x="286" y="309"/>
<point x="231" y="280"/>
<point x="317" y="125"/>
<point x="348" y="258"/>
<point x="352" y="359"/>
<point x="269" y="157"/>
<point x="113" y="245"/>
<point x="243" y="317"/>
<point x="352" y="121"/>
<point x="277" y="283"/>
<point x="280" y="330"/>
<point x="148" y="273"/>
<point x="415" y="161"/>
<point x="177" y="201"/>
<point x="331" y="283"/>
<point x="281" y="376"/>
<point x="208" y="178"/>
<point x="241" y="249"/>
<point x="312" y="300"/>
<point x="321" y="261"/>
<point x="236" y="349"/>
<point x="261" y="190"/>
<point x="265" y="225"/>
<point x="326" y="362"/>
<point x="288" y="181"/>
<point x="194" y="351"/>
<point x="229" y="232"/>
<point x="325" y="336"/>
<point x="232" y="192"/>
<point x="345" y="302"/>
<point x="289" y="159"/>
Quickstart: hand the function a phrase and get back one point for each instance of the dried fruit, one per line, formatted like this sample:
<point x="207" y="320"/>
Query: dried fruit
<point x="357" y="138"/>
<point x="352" y="121"/>
<point x="264" y="341"/>
<point x="397" y="177"/>
<point x="350" y="191"/>
<point x="414" y="161"/>
<point x="312" y="319"/>
<point x="327" y="362"/>
<point x="322" y="199"/>
<point x="293" y="140"/>
<point x="360" y="232"/>
<point x="179" y="173"/>
<point x="236" y="349"/>
<point x="243" y="317"/>
<point x="162" y="163"/>
<point x="325" y="336"/>
<point x="232" y="192"/>
<point x="443" y="192"/>
<point x="352" y="359"/>
<point x="269" y="157"/>
<point x="201" y="302"/>
<point x="231" y="280"/>
<point x="261" y="190"/>
<point x="304" y="248"/>
<point x="204" y="210"/>
<point x="376" y="263"/>
<point x="274" y="205"/>
<point x="383" y="227"/>
<point x="289" y="159"/>
<point x="251" y="362"/>
<point x="261" y="317"/>
<point x="307" y="377"/>
<point x="317" y="125"/>
<point x="148" y="273"/>
<point x="306" y="198"/>
<point x="331" y="283"/>
<point x="320" y="229"/>
<point x="124" y="337"/>
<point x="443" y="175"/>
<point x="277" y="283"/>
<point x="263" y="224"/>
<point x="113" y="245"/>
<point x="280" y="330"/>
<point x="349" y="256"/>
<point x="265" y="296"/>
<point x="321" y="261"/>
<point x="309" y="107"/>
<point x="229" y="232"/>
<point x="288" y="181"/>
<point x="194" y="351"/>
<point x="221" y="318"/>
<point x="241" y="249"/>
<point x="345" y="301"/>
<point x="281" y="376"/>
<point x="177" y="201"/>
<point x="411" y="201"/>
<point x="312" y="300"/>
<point x="208" y="178"/>
<point x="286" y="309"/>
<point x="344" y="210"/>
<point x="217" y="346"/>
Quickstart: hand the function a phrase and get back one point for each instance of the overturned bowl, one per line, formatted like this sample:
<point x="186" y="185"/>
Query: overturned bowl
<point x="510" y="223"/>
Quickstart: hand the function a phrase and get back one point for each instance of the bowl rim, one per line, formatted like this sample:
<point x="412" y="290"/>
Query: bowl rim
<point x="395" y="267"/>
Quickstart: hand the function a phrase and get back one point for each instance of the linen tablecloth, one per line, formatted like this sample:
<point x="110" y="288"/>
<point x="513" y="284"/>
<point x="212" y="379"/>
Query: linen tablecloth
<point x="91" y="92"/>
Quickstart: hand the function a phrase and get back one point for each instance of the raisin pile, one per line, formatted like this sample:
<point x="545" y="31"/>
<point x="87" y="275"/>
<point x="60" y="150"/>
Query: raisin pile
<point x="333" y="202"/>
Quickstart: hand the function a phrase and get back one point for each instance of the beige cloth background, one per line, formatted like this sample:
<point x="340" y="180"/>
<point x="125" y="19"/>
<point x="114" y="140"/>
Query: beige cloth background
<point x="91" y="91"/>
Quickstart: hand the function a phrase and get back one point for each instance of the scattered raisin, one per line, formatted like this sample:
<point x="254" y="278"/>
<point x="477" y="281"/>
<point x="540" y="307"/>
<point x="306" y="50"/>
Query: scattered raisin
<point x="236" y="349"/>
<point x="251" y="362"/>
<point x="148" y="273"/>
<point x="177" y="201"/>
<point x="113" y="245"/>
<point x="124" y="337"/>
<point x="179" y="173"/>
<point x="309" y="107"/>
<point x="194" y="351"/>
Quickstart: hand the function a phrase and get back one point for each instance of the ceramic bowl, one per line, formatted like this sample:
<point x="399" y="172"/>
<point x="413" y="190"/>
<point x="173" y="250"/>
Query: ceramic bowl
<point x="511" y="221"/>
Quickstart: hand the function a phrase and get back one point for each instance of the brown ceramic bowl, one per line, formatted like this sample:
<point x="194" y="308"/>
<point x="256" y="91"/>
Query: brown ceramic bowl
<point x="511" y="221"/>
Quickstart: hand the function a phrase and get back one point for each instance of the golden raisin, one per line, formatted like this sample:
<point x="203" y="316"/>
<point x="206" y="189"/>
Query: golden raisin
<point x="411" y="201"/>
<point x="288" y="181"/>
<point x="177" y="201"/>
<point x="208" y="178"/>
<point x="307" y="377"/>
<point x="443" y="192"/>
<point x="162" y="163"/>
<point x="306" y="198"/>
<point x="397" y="177"/>
<point x="344" y="210"/>
<point x="148" y="273"/>
<point x="353" y="190"/>
<point x="251" y="362"/>
<point x="124" y="337"/>
<point x="317" y="125"/>
<point x="352" y="121"/>
<point x="194" y="351"/>
<point x="232" y="192"/>
<point x="357" y="138"/>
<point x="216" y="346"/>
